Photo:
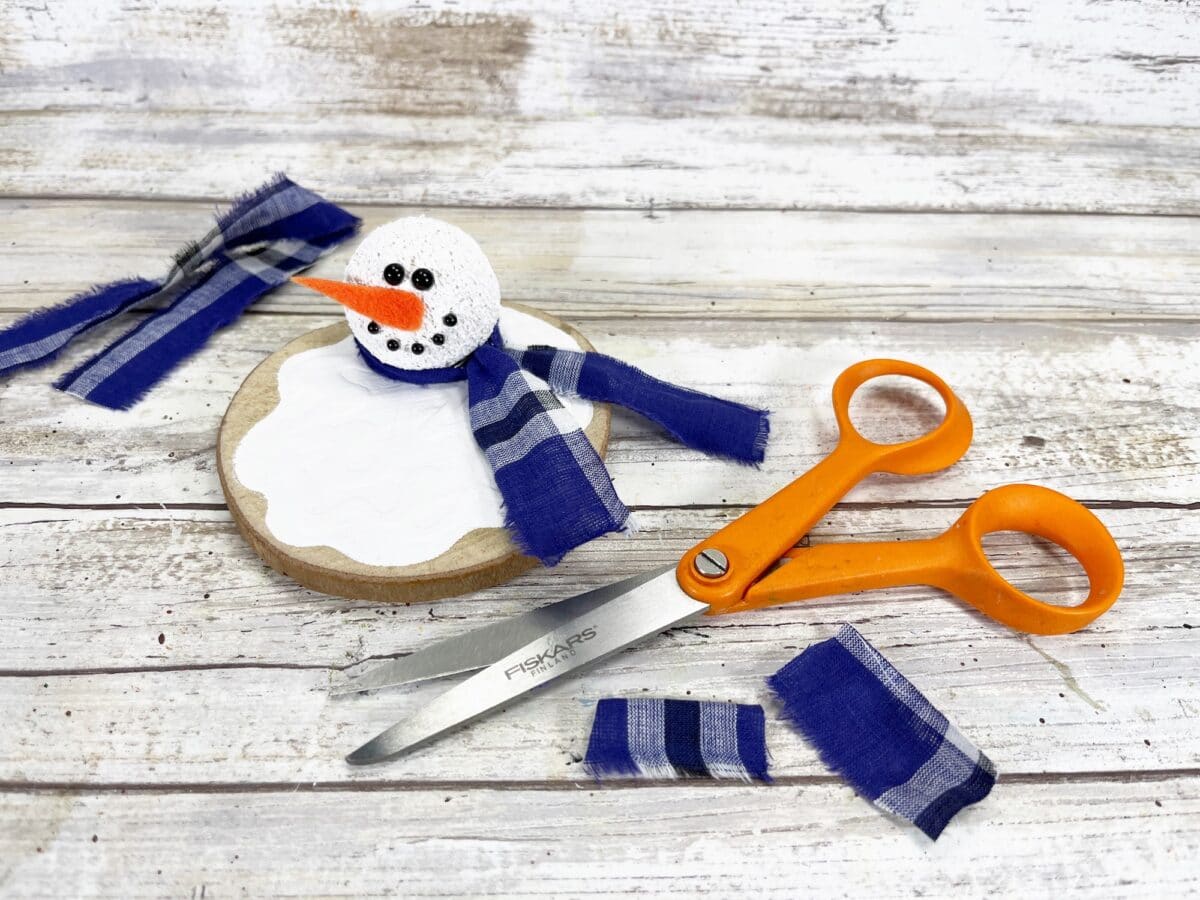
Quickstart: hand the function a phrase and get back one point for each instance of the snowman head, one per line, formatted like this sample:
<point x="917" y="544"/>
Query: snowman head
<point x="419" y="294"/>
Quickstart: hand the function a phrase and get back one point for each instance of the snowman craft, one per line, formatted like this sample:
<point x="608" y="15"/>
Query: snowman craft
<point x="441" y="413"/>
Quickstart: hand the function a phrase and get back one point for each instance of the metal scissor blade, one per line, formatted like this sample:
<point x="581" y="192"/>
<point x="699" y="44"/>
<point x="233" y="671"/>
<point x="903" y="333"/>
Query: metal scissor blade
<point x="644" y="609"/>
<point x="483" y="646"/>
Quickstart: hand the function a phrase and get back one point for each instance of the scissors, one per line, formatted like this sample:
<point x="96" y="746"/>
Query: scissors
<point x="753" y="562"/>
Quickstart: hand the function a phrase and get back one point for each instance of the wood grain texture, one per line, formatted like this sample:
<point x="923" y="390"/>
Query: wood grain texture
<point x="744" y="197"/>
<point x="643" y="163"/>
<point x="858" y="104"/>
<point x="150" y="656"/>
<point x="849" y="59"/>
<point x="187" y="575"/>
<point x="1114" y="703"/>
<point x="672" y="265"/>
<point x="684" y="840"/>
<point x="1101" y="411"/>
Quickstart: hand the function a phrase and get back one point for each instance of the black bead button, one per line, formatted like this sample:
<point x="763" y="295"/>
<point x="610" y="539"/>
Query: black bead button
<point x="373" y="327"/>
<point x="418" y="349"/>
<point x="393" y="345"/>
<point x="393" y="274"/>
<point x="439" y="339"/>
<point x="422" y="279"/>
<point x="450" y="320"/>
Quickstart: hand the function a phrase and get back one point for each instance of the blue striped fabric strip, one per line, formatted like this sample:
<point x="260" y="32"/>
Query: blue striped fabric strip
<point x="42" y="334"/>
<point x="677" y="738"/>
<point x="702" y="421"/>
<point x="527" y="434"/>
<point x="880" y="733"/>
<point x="557" y="492"/>
<point x="265" y="238"/>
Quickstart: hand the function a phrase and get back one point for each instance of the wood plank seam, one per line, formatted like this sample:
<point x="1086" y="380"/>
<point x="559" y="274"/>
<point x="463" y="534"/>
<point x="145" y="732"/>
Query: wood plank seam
<point x="1131" y="776"/>
<point x="648" y="211"/>
<point x="844" y="506"/>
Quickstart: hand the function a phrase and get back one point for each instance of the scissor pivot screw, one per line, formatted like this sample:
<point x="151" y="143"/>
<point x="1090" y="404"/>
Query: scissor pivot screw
<point x="711" y="563"/>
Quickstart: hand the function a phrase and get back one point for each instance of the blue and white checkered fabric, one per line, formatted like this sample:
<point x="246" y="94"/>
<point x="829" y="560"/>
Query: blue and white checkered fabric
<point x="700" y="421"/>
<point x="264" y="239"/>
<point x="877" y="731"/>
<point x="672" y="738"/>
<point x="557" y="492"/>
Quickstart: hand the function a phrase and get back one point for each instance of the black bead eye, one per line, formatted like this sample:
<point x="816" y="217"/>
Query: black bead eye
<point x="422" y="279"/>
<point x="418" y="349"/>
<point x="449" y="320"/>
<point x="393" y="345"/>
<point x="373" y="327"/>
<point x="394" y="273"/>
<point x="439" y="339"/>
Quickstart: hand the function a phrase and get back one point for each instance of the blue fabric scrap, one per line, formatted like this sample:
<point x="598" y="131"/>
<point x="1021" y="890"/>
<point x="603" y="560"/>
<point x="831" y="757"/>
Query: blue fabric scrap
<point x="265" y="238"/>
<point x="557" y="492"/>
<point x="872" y="727"/>
<point x="674" y="738"/>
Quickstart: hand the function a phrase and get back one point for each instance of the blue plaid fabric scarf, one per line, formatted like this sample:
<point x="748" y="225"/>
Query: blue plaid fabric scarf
<point x="556" y="489"/>
<point x="268" y="236"/>
<point x="672" y="738"/>
<point x="877" y="731"/>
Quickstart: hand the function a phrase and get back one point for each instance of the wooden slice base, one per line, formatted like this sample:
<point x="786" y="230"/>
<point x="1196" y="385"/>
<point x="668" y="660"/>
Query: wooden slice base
<point x="480" y="558"/>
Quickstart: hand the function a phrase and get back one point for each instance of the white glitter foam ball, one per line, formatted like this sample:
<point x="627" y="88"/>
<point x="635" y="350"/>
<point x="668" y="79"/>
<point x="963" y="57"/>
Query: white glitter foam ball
<point x="462" y="305"/>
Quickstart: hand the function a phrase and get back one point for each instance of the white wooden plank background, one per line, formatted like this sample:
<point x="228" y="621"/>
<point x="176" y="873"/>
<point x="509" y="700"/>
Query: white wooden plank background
<point x="674" y="841"/>
<point x="589" y="264"/>
<point x="915" y="105"/>
<point x="743" y="198"/>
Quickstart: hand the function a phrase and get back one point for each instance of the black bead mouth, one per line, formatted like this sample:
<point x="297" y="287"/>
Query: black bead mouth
<point x="420" y="342"/>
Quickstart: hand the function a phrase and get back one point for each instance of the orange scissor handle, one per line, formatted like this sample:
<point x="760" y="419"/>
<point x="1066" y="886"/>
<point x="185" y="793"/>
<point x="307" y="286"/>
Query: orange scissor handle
<point x="757" y="540"/>
<point x="955" y="561"/>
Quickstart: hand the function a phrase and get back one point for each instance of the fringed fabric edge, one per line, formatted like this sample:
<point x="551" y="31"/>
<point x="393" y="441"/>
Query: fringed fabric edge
<point x="139" y="289"/>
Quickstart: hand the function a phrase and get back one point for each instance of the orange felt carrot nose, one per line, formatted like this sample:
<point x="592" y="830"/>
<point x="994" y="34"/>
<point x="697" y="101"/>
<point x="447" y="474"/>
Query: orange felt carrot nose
<point x="385" y="305"/>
